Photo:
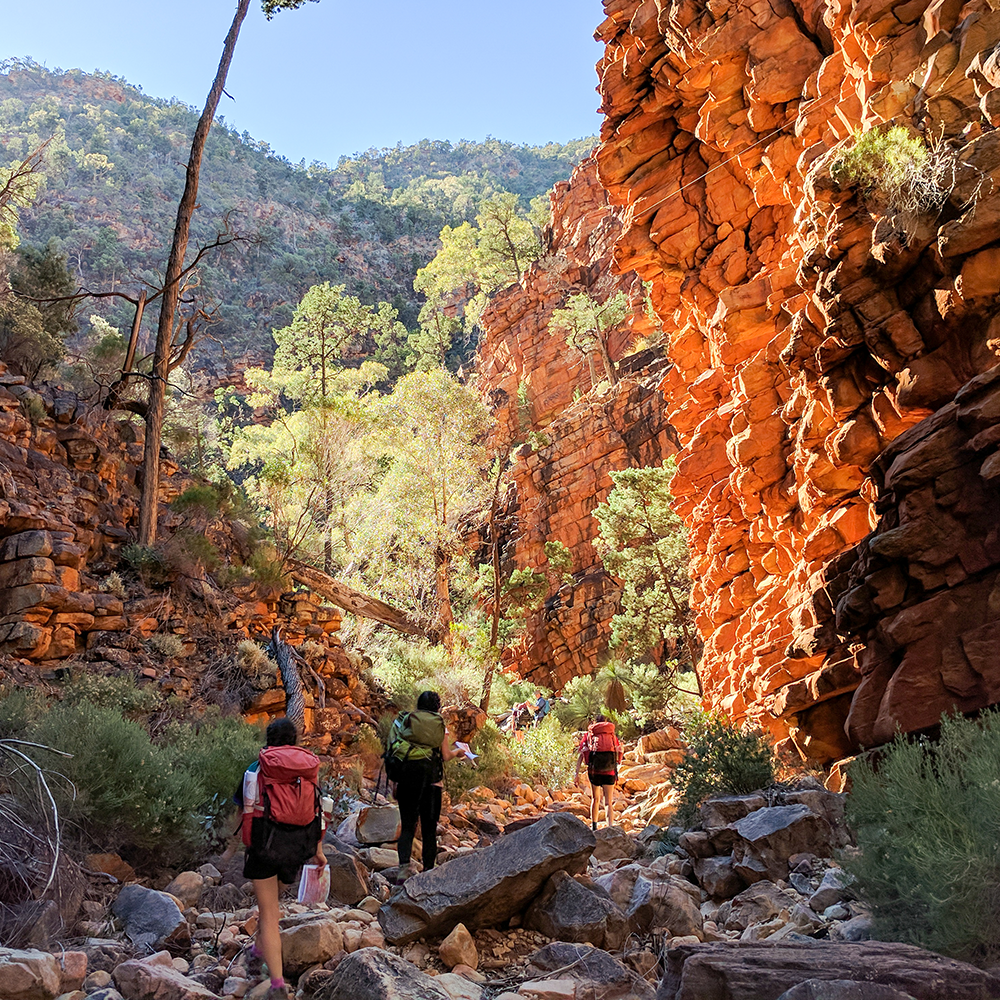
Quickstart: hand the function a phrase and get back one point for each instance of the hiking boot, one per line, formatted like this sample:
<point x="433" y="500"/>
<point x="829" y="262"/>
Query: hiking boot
<point x="254" y="965"/>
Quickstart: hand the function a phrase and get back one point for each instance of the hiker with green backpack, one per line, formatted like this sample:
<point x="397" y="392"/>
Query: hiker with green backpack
<point x="416" y="749"/>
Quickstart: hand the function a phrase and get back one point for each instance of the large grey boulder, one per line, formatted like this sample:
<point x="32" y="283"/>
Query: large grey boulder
<point x="739" y="971"/>
<point x="151" y="919"/>
<point x="348" y="878"/>
<point x="768" y="837"/>
<point x="755" y="905"/>
<point x="843" y="989"/>
<point x="833" y="889"/>
<point x="718" y="877"/>
<point x="487" y="887"/>
<point x="575" y="911"/>
<point x="666" y="904"/>
<point x="374" y="974"/>
<point x="602" y="974"/>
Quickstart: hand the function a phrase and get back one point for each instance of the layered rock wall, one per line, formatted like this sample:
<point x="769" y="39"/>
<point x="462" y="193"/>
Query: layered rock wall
<point x="810" y="323"/>
<point x="563" y="435"/>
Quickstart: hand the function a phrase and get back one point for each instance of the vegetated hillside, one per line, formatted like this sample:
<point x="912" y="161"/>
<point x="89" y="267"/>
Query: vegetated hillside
<point x="114" y="171"/>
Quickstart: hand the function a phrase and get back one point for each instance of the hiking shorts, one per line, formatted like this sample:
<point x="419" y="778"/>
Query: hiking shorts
<point x="602" y="767"/>
<point x="256" y="867"/>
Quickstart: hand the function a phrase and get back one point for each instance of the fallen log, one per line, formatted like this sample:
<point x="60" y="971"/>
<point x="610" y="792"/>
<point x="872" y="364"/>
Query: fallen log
<point x="348" y="599"/>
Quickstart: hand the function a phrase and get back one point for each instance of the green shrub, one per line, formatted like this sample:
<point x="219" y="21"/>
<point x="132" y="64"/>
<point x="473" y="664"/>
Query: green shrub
<point x="895" y="167"/>
<point x="204" y="500"/>
<point x="721" y="760"/>
<point x="120" y="692"/>
<point x="145" y="561"/>
<point x="583" y="698"/>
<point x="406" y="668"/>
<point x="927" y="823"/>
<point x="121" y="788"/>
<point x="546" y="755"/>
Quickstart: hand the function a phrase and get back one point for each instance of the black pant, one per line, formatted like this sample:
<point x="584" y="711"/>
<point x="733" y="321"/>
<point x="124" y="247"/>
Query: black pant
<point x="418" y="799"/>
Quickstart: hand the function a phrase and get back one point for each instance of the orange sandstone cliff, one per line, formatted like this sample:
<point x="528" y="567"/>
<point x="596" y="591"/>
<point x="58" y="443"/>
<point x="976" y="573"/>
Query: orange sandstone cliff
<point x="811" y="328"/>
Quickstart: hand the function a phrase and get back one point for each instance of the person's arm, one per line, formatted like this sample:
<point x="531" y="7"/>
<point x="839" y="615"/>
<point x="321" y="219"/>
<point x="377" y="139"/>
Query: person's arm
<point x="449" y="752"/>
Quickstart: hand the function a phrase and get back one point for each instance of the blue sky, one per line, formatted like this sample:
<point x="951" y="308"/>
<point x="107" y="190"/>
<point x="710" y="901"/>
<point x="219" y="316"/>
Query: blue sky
<point x="333" y="78"/>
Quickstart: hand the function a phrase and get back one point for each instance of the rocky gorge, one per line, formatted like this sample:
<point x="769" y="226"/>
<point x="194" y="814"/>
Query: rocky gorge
<point x="823" y="350"/>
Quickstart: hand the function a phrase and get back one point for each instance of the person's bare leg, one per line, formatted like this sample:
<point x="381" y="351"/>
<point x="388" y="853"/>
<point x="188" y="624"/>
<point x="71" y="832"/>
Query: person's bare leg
<point x="268" y="932"/>
<point x="595" y="804"/>
<point x="609" y="804"/>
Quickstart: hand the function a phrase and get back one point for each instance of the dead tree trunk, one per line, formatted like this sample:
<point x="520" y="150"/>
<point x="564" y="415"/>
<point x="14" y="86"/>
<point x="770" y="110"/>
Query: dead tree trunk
<point x="171" y="289"/>
<point x="295" y="696"/>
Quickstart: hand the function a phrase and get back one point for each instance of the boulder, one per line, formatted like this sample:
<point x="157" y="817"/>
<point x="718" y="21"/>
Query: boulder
<point x="151" y="919"/>
<point x="768" y="837"/>
<point x="603" y="973"/>
<point x="348" y="878"/>
<point x="833" y="888"/>
<point x="374" y="974"/>
<point x="311" y="942"/>
<point x="377" y="825"/>
<point x="487" y="887"/>
<point x="458" y="948"/>
<point x="718" y="877"/>
<point x="761" y="902"/>
<point x="739" y="971"/>
<point x="153" y="979"/>
<point x="29" y="974"/>
<point x="663" y="904"/>
<point x="187" y="887"/>
<point x="32" y="924"/>
<point x="620" y="884"/>
<point x="548" y="989"/>
<point x="568" y="909"/>
<point x="107" y="993"/>
<point x="843" y="989"/>
<point x="614" y="843"/>
<point x="858" y="928"/>
<point x="105" y="954"/>
<point x="458" y="987"/>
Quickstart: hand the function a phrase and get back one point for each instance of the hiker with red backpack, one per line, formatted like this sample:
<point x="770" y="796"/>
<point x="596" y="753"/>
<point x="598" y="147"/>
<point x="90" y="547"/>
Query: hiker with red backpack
<point x="601" y="750"/>
<point x="283" y="825"/>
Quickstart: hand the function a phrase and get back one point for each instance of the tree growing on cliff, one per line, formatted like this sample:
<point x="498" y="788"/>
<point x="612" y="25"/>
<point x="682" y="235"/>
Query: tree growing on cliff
<point x="586" y="324"/>
<point x="642" y="542"/>
<point x="476" y="261"/>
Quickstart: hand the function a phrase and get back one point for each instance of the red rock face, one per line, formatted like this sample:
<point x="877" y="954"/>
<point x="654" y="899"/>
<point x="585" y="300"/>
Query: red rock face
<point x="809" y="325"/>
<point x="540" y="391"/>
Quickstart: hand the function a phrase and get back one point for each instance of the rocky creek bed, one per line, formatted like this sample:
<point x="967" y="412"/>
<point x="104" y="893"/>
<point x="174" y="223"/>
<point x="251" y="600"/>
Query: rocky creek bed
<point x="528" y="904"/>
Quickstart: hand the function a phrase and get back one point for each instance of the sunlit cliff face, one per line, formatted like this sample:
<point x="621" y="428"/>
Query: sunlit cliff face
<point x="812" y="320"/>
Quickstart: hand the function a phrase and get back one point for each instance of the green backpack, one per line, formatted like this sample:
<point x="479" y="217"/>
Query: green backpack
<point x="415" y="736"/>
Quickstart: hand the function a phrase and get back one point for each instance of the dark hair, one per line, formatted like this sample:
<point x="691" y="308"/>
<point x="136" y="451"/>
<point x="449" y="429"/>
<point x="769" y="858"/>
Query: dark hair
<point x="600" y="718"/>
<point x="429" y="701"/>
<point x="282" y="733"/>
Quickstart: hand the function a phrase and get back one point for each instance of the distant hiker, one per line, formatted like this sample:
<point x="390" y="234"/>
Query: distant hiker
<point x="542" y="707"/>
<point x="282" y="829"/>
<point x="417" y="747"/>
<point x="601" y="750"/>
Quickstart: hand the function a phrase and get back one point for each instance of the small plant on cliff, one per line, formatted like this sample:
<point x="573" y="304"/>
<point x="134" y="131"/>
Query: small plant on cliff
<point x="722" y="759"/>
<point x="587" y="324"/>
<point x="927" y="821"/>
<point x="896" y="169"/>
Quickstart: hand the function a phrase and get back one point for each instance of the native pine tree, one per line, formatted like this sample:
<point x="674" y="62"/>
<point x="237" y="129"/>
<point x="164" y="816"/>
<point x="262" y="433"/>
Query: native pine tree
<point x="586" y="323"/>
<point x="642" y="542"/>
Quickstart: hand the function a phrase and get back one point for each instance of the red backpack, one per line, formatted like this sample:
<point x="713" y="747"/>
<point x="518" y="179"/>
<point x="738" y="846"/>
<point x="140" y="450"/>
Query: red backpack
<point x="288" y="784"/>
<point x="601" y="738"/>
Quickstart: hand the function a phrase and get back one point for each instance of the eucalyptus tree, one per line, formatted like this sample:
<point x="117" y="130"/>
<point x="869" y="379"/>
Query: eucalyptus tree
<point x="166" y="329"/>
